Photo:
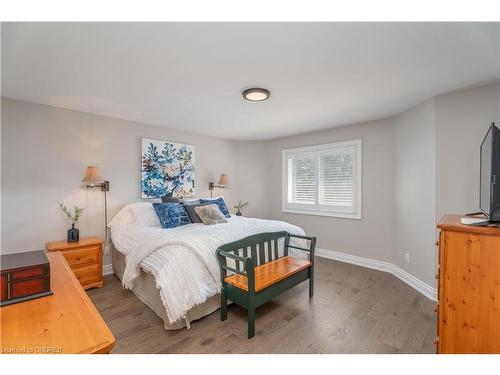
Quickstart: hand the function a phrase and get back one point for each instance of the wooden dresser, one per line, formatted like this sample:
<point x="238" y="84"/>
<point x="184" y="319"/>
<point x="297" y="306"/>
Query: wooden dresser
<point x="65" y="322"/>
<point x="469" y="288"/>
<point x="84" y="258"/>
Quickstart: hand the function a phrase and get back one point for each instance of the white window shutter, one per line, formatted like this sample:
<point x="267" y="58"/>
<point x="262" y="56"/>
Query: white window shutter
<point x="301" y="180"/>
<point x="336" y="179"/>
<point x="323" y="180"/>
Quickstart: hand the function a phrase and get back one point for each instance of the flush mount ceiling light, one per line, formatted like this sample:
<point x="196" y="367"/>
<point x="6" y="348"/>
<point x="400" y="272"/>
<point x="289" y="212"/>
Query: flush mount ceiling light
<point x="256" y="94"/>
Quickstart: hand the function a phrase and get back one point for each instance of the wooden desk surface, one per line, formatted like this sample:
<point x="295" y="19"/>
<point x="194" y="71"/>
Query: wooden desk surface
<point x="65" y="322"/>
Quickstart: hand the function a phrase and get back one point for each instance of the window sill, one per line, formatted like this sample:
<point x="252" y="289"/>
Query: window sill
<point x="341" y="215"/>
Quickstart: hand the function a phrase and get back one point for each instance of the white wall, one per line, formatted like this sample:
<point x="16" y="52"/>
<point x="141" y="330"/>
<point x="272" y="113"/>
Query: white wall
<point x="462" y="119"/>
<point x="427" y="154"/>
<point x="436" y="169"/>
<point x="251" y="177"/>
<point x="417" y="166"/>
<point x="369" y="237"/>
<point x="45" y="151"/>
<point x="414" y="187"/>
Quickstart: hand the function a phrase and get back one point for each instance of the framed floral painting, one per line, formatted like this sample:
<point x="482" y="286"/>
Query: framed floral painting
<point x="167" y="169"/>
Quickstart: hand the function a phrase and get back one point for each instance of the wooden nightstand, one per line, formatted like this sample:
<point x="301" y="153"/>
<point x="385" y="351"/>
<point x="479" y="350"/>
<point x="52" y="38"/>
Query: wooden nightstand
<point x="84" y="258"/>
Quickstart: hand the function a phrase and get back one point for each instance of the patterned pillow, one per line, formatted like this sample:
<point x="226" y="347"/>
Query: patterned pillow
<point x="190" y="209"/>
<point x="219" y="202"/>
<point x="171" y="215"/>
<point x="210" y="214"/>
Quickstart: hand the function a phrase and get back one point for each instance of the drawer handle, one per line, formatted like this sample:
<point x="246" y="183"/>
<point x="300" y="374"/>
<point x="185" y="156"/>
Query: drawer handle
<point x="9" y="292"/>
<point x="436" y="340"/>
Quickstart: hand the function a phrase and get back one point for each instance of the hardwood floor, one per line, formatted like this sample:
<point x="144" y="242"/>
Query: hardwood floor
<point x="354" y="310"/>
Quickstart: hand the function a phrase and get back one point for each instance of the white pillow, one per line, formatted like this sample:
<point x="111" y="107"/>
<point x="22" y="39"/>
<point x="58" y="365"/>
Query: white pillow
<point x="190" y="199"/>
<point x="144" y="214"/>
<point x="140" y="213"/>
<point x="122" y="218"/>
<point x="208" y="198"/>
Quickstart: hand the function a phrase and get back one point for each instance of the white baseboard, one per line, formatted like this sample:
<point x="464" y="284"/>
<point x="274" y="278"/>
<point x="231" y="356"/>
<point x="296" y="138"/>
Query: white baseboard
<point x="401" y="274"/>
<point x="415" y="283"/>
<point x="353" y="259"/>
<point x="107" y="269"/>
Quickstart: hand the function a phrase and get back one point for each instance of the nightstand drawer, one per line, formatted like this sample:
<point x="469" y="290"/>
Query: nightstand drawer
<point x="80" y="257"/>
<point x="88" y="275"/>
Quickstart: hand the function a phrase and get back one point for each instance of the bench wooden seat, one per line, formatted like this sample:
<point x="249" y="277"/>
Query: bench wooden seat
<point x="270" y="273"/>
<point x="260" y="271"/>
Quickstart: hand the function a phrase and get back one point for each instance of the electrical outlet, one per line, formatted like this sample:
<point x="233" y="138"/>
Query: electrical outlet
<point x="407" y="257"/>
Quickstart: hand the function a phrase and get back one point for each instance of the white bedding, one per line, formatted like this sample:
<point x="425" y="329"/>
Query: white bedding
<point x="182" y="259"/>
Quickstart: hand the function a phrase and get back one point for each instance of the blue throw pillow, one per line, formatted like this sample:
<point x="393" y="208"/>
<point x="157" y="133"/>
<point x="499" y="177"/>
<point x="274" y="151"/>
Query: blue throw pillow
<point x="171" y="215"/>
<point x="219" y="202"/>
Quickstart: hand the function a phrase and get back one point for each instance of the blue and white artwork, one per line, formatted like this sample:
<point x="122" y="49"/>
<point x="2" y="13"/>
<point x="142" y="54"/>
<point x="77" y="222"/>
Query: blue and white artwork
<point x="167" y="169"/>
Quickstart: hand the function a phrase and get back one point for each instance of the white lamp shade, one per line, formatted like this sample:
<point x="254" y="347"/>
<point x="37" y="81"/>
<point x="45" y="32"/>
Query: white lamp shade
<point x="92" y="175"/>
<point x="223" y="180"/>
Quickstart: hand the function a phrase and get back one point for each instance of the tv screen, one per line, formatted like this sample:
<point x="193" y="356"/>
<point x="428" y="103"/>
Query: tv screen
<point x="490" y="167"/>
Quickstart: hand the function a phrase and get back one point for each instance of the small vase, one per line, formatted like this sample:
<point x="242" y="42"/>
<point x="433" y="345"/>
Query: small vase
<point x="73" y="234"/>
<point x="238" y="213"/>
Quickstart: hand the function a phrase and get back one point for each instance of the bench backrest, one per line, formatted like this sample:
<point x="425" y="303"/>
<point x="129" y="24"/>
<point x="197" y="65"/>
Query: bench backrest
<point x="258" y="247"/>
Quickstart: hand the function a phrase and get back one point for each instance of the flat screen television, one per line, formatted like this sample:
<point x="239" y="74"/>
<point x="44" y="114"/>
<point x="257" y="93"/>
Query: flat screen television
<point x="489" y="200"/>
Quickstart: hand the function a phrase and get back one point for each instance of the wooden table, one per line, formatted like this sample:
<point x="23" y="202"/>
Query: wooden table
<point x="65" y="322"/>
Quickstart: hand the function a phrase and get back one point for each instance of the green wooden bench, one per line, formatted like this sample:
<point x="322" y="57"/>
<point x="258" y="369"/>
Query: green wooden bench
<point x="255" y="280"/>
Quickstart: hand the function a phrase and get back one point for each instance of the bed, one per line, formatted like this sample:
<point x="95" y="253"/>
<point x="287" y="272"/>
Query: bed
<point x="175" y="271"/>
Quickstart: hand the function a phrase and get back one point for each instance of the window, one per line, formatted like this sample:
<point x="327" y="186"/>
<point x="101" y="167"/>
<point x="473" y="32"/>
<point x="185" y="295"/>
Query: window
<point x="323" y="180"/>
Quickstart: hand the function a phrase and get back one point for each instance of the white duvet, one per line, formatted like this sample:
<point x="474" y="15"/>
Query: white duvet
<point x="183" y="259"/>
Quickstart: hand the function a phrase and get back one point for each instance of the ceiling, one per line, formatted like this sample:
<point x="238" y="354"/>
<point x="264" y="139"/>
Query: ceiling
<point x="190" y="76"/>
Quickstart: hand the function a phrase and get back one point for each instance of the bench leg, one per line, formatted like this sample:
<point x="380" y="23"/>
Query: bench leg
<point x="223" y="304"/>
<point x="251" y="314"/>
<point x="251" y="322"/>
<point x="311" y="282"/>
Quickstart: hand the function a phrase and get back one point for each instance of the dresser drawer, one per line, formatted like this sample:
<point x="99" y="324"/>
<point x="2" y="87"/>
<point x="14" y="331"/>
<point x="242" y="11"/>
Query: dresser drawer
<point x="30" y="272"/>
<point x="88" y="275"/>
<point x="83" y="256"/>
<point x="4" y="287"/>
<point x="23" y="288"/>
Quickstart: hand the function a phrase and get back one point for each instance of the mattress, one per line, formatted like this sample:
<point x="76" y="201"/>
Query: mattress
<point x="145" y="289"/>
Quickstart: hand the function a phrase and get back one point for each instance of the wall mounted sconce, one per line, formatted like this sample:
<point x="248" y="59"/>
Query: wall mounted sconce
<point x="222" y="184"/>
<point x="92" y="179"/>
